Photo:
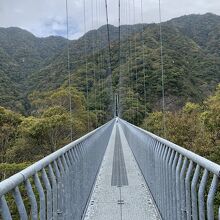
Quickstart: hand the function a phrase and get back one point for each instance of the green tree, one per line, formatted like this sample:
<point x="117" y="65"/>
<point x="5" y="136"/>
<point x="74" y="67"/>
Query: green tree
<point x="185" y="128"/>
<point x="9" y="122"/>
<point x="49" y="128"/>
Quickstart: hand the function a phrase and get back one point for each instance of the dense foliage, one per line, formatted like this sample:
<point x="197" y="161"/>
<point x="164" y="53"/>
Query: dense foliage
<point x="191" y="58"/>
<point x="195" y="127"/>
<point x="27" y="139"/>
<point x="34" y="94"/>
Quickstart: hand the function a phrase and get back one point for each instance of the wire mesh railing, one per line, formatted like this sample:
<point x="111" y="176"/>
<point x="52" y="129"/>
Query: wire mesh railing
<point x="58" y="186"/>
<point x="183" y="184"/>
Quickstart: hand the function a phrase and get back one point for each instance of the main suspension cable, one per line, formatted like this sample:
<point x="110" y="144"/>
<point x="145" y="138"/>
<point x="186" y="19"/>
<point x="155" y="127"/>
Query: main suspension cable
<point x="135" y="54"/>
<point x="101" y="61"/>
<point x="94" y="61"/>
<point x="98" y="40"/>
<point x="86" y="62"/>
<point x="119" y="52"/>
<point x="109" y="56"/>
<point x="68" y="70"/>
<point x="162" y="71"/>
<point x="128" y="55"/>
<point x="143" y="57"/>
<point x="99" y="46"/>
<point x="130" y="63"/>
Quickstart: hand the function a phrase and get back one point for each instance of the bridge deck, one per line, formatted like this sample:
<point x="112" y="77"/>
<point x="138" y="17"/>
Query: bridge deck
<point x="120" y="191"/>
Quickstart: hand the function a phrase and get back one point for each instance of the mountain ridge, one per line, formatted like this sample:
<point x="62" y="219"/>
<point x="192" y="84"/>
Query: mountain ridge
<point x="191" y="51"/>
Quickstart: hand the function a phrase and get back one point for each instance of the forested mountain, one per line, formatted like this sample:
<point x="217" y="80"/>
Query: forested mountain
<point x="204" y="30"/>
<point x="25" y="58"/>
<point x="34" y="97"/>
<point x="21" y="53"/>
<point x="191" y="56"/>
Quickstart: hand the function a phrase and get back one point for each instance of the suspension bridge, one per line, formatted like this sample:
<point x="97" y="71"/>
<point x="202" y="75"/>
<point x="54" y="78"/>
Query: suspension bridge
<point x="117" y="171"/>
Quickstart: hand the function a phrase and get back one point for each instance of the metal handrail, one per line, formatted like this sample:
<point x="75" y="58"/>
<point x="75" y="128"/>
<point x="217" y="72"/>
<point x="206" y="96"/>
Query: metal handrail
<point x="55" y="179"/>
<point x="177" y="178"/>
<point x="209" y="165"/>
<point x="182" y="183"/>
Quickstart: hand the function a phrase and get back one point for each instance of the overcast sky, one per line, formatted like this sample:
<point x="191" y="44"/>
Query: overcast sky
<point x="47" y="17"/>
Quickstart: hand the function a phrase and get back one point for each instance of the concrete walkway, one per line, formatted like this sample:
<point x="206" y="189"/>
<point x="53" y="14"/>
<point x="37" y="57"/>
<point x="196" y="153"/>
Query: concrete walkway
<point x="128" y="201"/>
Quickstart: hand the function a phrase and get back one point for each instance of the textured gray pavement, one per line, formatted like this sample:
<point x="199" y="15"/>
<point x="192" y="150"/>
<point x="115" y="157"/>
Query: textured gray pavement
<point x="136" y="202"/>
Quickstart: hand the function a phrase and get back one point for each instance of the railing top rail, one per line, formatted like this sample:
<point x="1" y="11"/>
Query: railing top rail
<point x="203" y="162"/>
<point x="13" y="181"/>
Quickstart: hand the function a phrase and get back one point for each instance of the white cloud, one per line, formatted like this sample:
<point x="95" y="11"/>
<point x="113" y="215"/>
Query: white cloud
<point x="47" y="17"/>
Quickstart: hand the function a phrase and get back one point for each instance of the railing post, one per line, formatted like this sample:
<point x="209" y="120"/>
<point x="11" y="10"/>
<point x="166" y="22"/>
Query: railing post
<point x="182" y="188"/>
<point x="170" y="190"/>
<point x="173" y="199"/>
<point x="32" y="198"/>
<point x="178" y="188"/>
<point x="49" y="194"/>
<point x="54" y="183"/>
<point x="63" y="190"/>
<point x="59" y="191"/>
<point x="164" y="181"/>
<point x="194" y="193"/>
<point x="188" y="192"/>
<point x="41" y="195"/>
<point x="20" y="204"/>
<point x="70" y="164"/>
<point x="210" y="199"/>
<point x="4" y="210"/>
<point x="66" y="187"/>
<point x="159" y="152"/>
<point x="167" y="182"/>
<point x="158" y="149"/>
